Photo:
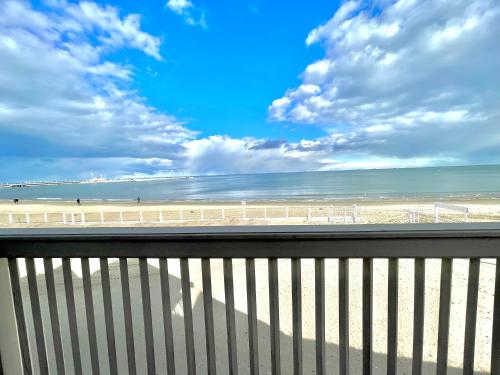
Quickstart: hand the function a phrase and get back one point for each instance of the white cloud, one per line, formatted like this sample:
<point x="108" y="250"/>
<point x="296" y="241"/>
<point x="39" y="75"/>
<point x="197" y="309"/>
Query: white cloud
<point x="192" y="14"/>
<point x="61" y="98"/>
<point x="412" y="85"/>
<point x="179" y="6"/>
<point x="426" y="70"/>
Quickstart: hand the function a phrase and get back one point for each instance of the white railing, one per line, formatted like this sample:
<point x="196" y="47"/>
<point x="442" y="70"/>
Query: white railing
<point x="309" y="214"/>
<point x="461" y="211"/>
<point x="442" y="212"/>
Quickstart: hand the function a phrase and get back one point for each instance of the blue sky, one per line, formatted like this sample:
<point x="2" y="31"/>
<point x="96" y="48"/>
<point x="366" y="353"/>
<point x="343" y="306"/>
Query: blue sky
<point x="223" y="76"/>
<point x="183" y="87"/>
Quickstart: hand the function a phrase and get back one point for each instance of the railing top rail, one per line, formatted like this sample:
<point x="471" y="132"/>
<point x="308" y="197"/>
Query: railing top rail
<point x="452" y="207"/>
<point x="392" y="240"/>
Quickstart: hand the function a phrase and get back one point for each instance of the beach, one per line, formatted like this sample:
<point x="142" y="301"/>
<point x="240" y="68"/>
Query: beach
<point x="283" y="212"/>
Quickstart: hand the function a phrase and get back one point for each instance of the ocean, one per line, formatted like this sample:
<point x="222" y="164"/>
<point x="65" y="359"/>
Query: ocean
<point x="411" y="183"/>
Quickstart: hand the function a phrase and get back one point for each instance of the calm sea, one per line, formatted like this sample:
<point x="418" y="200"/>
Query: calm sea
<point x="474" y="181"/>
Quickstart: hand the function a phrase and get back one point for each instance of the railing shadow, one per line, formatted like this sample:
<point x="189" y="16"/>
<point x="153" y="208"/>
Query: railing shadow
<point x="379" y="359"/>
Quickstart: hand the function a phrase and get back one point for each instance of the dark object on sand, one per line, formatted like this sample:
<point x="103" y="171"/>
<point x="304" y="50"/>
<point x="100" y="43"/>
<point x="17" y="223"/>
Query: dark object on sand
<point x="138" y="200"/>
<point x="16" y="201"/>
<point x="78" y="201"/>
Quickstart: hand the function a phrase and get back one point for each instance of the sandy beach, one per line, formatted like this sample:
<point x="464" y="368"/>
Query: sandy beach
<point x="105" y="213"/>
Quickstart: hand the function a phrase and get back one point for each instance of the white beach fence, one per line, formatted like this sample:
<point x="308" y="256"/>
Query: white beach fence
<point x="442" y="213"/>
<point x="309" y="214"/>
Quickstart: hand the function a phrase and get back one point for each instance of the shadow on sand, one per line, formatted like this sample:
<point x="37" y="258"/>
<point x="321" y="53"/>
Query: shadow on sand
<point x="379" y="359"/>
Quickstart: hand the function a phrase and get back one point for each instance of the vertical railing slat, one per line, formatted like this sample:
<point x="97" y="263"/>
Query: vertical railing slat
<point x="230" y="319"/>
<point x="343" y="316"/>
<point x="21" y="322"/>
<point x="495" y="337"/>
<point x="418" y="316"/>
<point x="444" y="315"/>
<point x="70" y="305"/>
<point x="209" y="315"/>
<point x="253" y="344"/>
<point x="470" y="316"/>
<point x="167" y="316"/>
<point x="392" y="316"/>
<point x="188" y="316"/>
<point x="274" y="316"/>
<point x="127" y="316"/>
<point x="367" y="315"/>
<point x="320" y="315"/>
<point x="37" y="316"/>
<point x="54" y="315"/>
<point x="297" y="316"/>
<point x="148" y="320"/>
<point x="89" y="311"/>
<point x="108" y="315"/>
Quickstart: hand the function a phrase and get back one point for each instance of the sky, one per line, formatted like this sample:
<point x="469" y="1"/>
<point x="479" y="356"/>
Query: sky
<point x="197" y="87"/>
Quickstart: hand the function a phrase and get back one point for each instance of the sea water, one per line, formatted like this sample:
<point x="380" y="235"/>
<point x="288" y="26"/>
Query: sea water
<point x="453" y="182"/>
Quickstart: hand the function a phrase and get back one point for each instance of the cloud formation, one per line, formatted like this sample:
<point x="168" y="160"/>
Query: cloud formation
<point x="61" y="98"/>
<point x="404" y="79"/>
<point x="192" y="14"/>
<point x="406" y="84"/>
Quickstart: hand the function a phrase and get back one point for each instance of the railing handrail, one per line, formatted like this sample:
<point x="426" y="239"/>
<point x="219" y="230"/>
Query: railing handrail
<point x="364" y="241"/>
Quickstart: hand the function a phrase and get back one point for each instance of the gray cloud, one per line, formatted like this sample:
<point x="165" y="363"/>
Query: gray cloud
<point x="267" y="144"/>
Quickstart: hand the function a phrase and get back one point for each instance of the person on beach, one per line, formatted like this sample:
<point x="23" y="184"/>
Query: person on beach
<point x="16" y="201"/>
<point x="78" y="201"/>
<point x="138" y="200"/>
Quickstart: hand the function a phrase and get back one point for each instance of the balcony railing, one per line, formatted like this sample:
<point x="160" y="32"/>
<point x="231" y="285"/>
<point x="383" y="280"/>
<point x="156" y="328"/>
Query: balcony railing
<point x="70" y="339"/>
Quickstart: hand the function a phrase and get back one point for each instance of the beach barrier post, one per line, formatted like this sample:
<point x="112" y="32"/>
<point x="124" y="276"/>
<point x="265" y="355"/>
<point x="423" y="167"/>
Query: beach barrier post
<point x="10" y="217"/>
<point x="436" y="214"/>
<point x="181" y="217"/>
<point x="354" y="214"/>
<point x="161" y="216"/>
<point x="64" y="217"/>
<point x="202" y="214"/>
<point x="330" y="214"/>
<point x="73" y="218"/>
<point x="140" y="216"/>
<point x="27" y="218"/>
<point x="121" y="217"/>
<point x="102" y="217"/>
<point x="45" y="217"/>
<point x="265" y="213"/>
<point x="308" y="214"/>
<point x="83" y="217"/>
<point x="286" y="212"/>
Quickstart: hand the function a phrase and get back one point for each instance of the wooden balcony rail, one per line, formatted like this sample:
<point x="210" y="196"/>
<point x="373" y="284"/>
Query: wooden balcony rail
<point x="20" y="355"/>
